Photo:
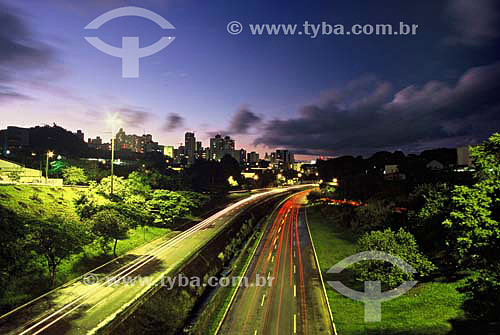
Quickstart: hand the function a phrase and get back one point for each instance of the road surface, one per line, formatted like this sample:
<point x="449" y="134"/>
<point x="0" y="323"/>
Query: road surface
<point x="293" y="303"/>
<point x="80" y="308"/>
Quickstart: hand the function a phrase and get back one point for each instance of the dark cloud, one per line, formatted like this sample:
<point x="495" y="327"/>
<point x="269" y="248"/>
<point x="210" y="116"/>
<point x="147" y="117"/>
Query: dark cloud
<point x="133" y="117"/>
<point x="21" y="55"/>
<point x="350" y="122"/>
<point x="173" y="122"/>
<point x="242" y="121"/>
<point x="474" y="22"/>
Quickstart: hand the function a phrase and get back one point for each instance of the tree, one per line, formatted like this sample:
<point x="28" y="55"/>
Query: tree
<point x="196" y="200"/>
<point x="120" y="188"/>
<point x="374" y="215"/>
<point x="74" y="176"/>
<point x="429" y="206"/>
<point x="401" y="244"/>
<point x="56" y="238"/>
<point x="166" y="206"/>
<point x="138" y="184"/>
<point x="230" y="167"/>
<point x="14" y="251"/>
<point x="110" y="225"/>
<point x="474" y="224"/>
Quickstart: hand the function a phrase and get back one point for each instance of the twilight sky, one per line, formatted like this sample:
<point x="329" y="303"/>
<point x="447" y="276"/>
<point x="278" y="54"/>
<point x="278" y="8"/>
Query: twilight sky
<point x="326" y="95"/>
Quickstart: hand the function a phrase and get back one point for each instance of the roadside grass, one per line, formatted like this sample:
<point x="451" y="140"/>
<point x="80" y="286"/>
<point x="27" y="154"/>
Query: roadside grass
<point x="93" y="256"/>
<point x="426" y="309"/>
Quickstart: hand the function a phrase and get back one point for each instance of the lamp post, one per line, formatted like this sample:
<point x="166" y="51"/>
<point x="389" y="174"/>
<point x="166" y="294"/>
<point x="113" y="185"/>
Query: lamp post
<point x="50" y="154"/>
<point x="113" y="121"/>
<point x="112" y="161"/>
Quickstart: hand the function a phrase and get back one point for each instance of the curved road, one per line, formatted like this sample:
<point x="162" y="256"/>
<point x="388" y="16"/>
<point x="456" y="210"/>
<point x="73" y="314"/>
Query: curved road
<point x="293" y="303"/>
<point x="77" y="308"/>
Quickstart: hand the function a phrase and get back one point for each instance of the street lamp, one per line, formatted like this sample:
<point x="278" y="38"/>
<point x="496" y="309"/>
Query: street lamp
<point x="113" y="121"/>
<point x="50" y="154"/>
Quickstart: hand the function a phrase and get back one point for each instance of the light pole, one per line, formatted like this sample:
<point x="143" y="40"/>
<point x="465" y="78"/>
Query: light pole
<point x="113" y="121"/>
<point x="50" y="154"/>
<point x="112" y="161"/>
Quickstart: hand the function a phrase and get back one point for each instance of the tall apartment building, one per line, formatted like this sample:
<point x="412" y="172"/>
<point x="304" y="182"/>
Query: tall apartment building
<point x="252" y="157"/>
<point x="190" y="146"/>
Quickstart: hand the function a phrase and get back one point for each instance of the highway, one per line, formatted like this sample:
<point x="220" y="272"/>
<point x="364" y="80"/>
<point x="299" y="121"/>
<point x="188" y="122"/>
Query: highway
<point x="293" y="303"/>
<point x="77" y="308"/>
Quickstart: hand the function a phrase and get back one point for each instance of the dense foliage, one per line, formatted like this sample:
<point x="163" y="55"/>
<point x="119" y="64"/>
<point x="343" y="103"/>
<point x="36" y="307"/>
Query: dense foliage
<point x="74" y="176"/>
<point x="474" y="223"/>
<point x="401" y="244"/>
<point x="452" y="217"/>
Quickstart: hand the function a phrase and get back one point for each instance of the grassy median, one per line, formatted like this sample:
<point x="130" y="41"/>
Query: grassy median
<point x="426" y="309"/>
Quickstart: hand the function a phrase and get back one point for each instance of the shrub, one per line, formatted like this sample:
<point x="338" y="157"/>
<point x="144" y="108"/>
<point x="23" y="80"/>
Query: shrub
<point x="374" y="216"/>
<point x="401" y="244"/>
<point x="482" y="296"/>
<point x="74" y="176"/>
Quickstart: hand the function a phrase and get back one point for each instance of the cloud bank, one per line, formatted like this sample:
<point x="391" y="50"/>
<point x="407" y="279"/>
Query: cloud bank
<point x="366" y="116"/>
<point x="21" y="55"/>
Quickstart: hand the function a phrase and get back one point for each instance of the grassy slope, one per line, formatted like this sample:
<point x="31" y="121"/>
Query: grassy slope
<point x="426" y="309"/>
<point x="39" y="200"/>
<point x="49" y="200"/>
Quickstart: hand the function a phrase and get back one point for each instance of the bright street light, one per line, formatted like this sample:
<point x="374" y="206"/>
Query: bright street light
<point x="50" y="154"/>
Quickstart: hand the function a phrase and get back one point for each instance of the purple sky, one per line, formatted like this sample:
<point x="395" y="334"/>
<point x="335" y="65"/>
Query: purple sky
<point x="328" y="95"/>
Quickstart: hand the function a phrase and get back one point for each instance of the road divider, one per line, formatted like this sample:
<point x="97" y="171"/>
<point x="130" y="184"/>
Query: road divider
<point x="320" y="275"/>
